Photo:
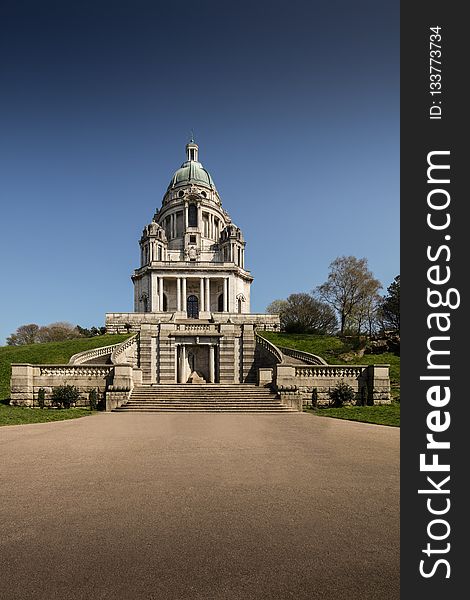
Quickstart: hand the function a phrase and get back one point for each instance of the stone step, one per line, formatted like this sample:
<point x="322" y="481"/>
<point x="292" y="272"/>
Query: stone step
<point x="179" y="409"/>
<point x="202" y="404"/>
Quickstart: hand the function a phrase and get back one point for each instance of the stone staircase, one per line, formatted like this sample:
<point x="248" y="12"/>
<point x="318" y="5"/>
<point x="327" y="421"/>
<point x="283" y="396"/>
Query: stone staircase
<point x="233" y="398"/>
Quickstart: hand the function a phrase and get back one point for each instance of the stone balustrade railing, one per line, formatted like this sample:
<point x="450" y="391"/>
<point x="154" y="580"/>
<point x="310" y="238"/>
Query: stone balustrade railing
<point x="306" y="357"/>
<point x="64" y="371"/>
<point x="88" y="355"/>
<point x="121" y="351"/>
<point x="195" y="327"/>
<point x="271" y="348"/>
<point x="331" y="371"/>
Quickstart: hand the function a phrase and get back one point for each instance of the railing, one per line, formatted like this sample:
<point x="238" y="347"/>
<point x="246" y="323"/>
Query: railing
<point x="87" y="355"/>
<point x="117" y="355"/>
<point x="74" y="370"/>
<point x="306" y="357"/>
<point x="271" y="348"/>
<point x="331" y="371"/>
<point x="194" y="327"/>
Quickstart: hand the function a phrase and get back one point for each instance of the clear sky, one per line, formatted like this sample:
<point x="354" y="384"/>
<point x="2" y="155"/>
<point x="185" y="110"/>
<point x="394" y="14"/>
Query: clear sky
<point x="294" y="105"/>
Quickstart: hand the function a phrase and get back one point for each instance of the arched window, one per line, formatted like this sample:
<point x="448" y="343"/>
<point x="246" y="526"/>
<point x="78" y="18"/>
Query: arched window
<point x="192" y="215"/>
<point x="220" y="303"/>
<point x="193" y="307"/>
<point x="240" y="299"/>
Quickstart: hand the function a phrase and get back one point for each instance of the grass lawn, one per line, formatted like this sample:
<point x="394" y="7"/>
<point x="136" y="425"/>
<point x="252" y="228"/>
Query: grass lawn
<point x="386" y="414"/>
<point x="330" y="347"/>
<point x="51" y="353"/>
<point x="19" y="415"/>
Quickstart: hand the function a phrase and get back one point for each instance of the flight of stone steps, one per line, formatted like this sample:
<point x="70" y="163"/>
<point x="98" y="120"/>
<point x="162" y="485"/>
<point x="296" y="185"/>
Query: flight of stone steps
<point x="244" y="398"/>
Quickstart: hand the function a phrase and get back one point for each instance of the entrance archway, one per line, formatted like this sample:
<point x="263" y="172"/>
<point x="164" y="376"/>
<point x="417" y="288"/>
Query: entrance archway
<point x="193" y="307"/>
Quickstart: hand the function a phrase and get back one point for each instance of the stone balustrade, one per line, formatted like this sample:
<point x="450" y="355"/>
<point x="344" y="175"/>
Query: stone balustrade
<point x="125" y="351"/>
<point x="331" y="371"/>
<point x="270" y="348"/>
<point x="88" y="355"/>
<point x="27" y="379"/>
<point x="371" y="381"/>
<point x="306" y="357"/>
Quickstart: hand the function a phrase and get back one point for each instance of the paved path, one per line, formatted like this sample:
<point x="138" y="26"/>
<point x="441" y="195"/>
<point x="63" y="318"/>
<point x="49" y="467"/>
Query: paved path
<point x="199" y="507"/>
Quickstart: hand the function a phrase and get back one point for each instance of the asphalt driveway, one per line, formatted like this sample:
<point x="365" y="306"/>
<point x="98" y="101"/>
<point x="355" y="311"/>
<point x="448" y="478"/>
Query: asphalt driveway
<point x="200" y="507"/>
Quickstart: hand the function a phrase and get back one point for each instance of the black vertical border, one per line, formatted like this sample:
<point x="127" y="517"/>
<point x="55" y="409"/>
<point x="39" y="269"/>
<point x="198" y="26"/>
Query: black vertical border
<point x="420" y="135"/>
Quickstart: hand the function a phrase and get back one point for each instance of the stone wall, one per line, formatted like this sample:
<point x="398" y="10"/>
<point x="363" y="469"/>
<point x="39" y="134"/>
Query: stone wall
<point x="27" y="379"/>
<point x="368" y="381"/>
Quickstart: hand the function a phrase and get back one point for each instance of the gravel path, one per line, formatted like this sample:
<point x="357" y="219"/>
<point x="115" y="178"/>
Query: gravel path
<point x="200" y="507"/>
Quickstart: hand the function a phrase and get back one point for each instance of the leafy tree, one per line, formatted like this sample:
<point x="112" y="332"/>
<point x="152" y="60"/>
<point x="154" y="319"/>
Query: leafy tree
<point x="390" y="308"/>
<point x="302" y="313"/>
<point x="350" y="284"/>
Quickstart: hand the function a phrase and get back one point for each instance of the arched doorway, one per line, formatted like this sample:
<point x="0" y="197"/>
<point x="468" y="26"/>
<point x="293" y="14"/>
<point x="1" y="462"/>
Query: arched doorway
<point x="193" y="307"/>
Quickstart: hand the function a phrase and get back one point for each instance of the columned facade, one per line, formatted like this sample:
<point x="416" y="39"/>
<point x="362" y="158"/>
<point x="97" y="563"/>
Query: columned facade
<point x="192" y="290"/>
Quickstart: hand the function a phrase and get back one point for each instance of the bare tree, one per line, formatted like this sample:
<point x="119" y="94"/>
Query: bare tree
<point x="58" y="332"/>
<point x="349" y="284"/>
<point x="25" y="334"/>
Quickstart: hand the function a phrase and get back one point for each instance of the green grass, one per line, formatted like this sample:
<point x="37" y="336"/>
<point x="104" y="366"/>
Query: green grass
<point x="19" y="415"/>
<point x="330" y="347"/>
<point x="51" y="353"/>
<point x="386" y="414"/>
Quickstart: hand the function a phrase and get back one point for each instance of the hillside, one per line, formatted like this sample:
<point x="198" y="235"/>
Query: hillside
<point x="330" y="348"/>
<point x="51" y="353"/>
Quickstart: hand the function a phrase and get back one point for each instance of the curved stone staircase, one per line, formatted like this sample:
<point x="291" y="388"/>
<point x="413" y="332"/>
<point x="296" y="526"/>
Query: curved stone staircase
<point x="236" y="398"/>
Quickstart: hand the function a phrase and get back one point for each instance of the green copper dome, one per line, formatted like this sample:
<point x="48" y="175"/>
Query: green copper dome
<point x="191" y="171"/>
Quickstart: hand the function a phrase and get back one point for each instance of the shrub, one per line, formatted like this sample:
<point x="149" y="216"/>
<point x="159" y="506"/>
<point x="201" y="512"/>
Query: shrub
<point x="314" y="397"/>
<point x="341" y="394"/>
<point x="41" y="397"/>
<point x="93" y="399"/>
<point x="64" y="396"/>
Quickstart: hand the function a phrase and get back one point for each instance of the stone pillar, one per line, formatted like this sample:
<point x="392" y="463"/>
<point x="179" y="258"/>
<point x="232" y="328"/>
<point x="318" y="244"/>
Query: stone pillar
<point x="154" y="306"/>
<point x="201" y="294"/>
<point x="178" y="294"/>
<point x="208" y="294"/>
<point x="211" y="364"/>
<point x="186" y="215"/>
<point x="183" y="291"/>
<point x="226" y="294"/>
<point x="199" y="218"/>
<point x="160" y="293"/>
<point x="182" y="373"/>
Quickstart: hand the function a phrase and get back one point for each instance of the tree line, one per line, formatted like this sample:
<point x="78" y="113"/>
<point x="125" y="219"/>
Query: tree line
<point x="348" y="302"/>
<point x="54" y="332"/>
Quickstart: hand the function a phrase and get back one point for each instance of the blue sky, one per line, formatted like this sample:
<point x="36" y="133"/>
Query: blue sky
<point x="295" y="107"/>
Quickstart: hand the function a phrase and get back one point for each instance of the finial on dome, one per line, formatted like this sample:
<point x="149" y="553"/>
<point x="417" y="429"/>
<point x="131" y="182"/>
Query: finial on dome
<point x="192" y="149"/>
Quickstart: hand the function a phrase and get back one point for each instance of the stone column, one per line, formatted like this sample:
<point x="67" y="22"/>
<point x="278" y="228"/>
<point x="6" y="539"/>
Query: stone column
<point x="211" y="364"/>
<point x="178" y="293"/>
<point x="226" y="294"/>
<point x="154" y="306"/>
<point x="186" y="215"/>
<point x="199" y="218"/>
<point x="160" y="293"/>
<point x="182" y="373"/>
<point x="208" y="294"/>
<point x="201" y="293"/>
<point x="183" y="291"/>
